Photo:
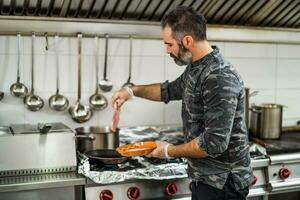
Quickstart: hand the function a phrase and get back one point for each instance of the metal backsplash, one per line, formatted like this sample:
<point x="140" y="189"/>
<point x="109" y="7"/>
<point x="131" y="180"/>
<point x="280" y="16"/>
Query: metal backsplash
<point x="266" y="13"/>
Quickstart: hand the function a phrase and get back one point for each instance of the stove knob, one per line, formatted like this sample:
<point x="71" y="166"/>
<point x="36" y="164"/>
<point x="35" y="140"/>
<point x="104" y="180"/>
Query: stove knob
<point x="133" y="193"/>
<point x="106" y="195"/>
<point x="171" y="189"/>
<point x="254" y="180"/>
<point x="284" y="173"/>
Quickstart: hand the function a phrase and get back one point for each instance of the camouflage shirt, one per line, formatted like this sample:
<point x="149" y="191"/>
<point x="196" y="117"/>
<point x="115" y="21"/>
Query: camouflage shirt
<point x="212" y="94"/>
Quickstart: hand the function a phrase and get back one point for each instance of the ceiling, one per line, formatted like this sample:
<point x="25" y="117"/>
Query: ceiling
<point x="259" y="13"/>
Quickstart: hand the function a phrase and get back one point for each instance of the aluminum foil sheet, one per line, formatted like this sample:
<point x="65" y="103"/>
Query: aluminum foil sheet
<point x="140" y="167"/>
<point x="148" y="171"/>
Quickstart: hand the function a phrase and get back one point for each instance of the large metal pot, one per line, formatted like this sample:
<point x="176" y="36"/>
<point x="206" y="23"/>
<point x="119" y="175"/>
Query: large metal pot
<point x="266" y="121"/>
<point x="95" y="137"/>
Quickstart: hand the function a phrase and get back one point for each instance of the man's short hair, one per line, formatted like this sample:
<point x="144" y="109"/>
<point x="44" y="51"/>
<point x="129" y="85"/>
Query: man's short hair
<point x="185" y="21"/>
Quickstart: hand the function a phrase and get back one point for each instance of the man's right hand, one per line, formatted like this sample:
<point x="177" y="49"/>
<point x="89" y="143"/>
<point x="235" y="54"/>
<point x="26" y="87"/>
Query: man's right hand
<point x="119" y="98"/>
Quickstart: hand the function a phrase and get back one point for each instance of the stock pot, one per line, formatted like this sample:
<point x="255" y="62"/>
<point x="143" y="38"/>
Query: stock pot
<point x="266" y="121"/>
<point x="96" y="137"/>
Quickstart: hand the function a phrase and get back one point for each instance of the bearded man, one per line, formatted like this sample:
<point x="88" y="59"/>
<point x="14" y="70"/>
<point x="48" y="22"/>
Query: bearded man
<point x="212" y="93"/>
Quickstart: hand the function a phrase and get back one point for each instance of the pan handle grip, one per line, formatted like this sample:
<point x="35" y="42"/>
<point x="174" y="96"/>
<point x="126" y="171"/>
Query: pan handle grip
<point x="89" y="137"/>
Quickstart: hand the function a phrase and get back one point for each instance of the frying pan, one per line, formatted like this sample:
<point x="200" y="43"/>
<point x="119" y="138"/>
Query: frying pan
<point x="105" y="156"/>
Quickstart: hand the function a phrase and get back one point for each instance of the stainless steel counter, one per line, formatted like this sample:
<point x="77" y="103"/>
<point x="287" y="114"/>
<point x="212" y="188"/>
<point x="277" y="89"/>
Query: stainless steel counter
<point x="21" y="183"/>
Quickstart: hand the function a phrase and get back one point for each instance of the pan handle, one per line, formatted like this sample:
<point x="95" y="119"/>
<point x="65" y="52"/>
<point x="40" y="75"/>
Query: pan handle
<point x="89" y="137"/>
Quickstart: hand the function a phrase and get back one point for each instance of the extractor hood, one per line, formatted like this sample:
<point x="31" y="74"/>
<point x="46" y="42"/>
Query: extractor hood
<point x="259" y="13"/>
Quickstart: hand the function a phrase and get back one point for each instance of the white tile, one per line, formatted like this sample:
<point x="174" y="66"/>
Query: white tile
<point x="263" y="96"/>
<point x="44" y="72"/>
<point x="250" y="50"/>
<point x="288" y="51"/>
<point x="117" y="47"/>
<point x="8" y="71"/>
<point x="173" y="112"/>
<point x="11" y="110"/>
<point x="8" y="45"/>
<point x="288" y="73"/>
<point x="68" y="46"/>
<point x="173" y="71"/>
<point x="289" y="98"/>
<point x="141" y="112"/>
<point x="148" y="48"/>
<point x="88" y="46"/>
<point x="256" y="73"/>
<point x="68" y="73"/>
<point x="290" y="121"/>
<point x="147" y="70"/>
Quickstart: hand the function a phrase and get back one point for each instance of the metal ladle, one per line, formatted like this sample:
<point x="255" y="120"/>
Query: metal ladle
<point x="105" y="84"/>
<point x="79" y="112"/>
<point x="57" y="101"/>
<point x="33" y="102"/>
<point x="18" y="89"/>
<point x="128" y="83"/>
<point x="97" y="100"/>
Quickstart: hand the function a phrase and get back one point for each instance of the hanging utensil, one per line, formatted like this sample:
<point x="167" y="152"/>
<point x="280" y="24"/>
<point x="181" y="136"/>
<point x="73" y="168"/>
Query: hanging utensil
<point x="57" y="101"/>
<point x="33" y="102"/>
<point x="128" y="83"/>
<point x="18" y="89"/>
<point x="79" y="112"/>
<point x="97" y="100"/>
<point x="105" y="84"/>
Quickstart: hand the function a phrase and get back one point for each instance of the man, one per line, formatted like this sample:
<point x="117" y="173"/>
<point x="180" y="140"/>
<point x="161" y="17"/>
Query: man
<point x="212" y="94"/>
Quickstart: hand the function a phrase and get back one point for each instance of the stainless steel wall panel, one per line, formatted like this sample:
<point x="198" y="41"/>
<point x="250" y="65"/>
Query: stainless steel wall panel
<point x="284" y="12"/>
<point x="85" y="8"/>
<point x="289" y="16"/>
<point x="121" y="9"/>
<point x="251" y="12"/>
<point x="131" y="12"/>
<point x="224" y="11"/>
<point x="160" y="11"/>
<point x="97" y="8"/>
<point x="109" y="9"/>
<point x="150" y="9"/>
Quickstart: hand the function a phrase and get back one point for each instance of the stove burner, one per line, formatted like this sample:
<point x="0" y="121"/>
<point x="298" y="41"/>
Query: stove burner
<point x="158" y="161"/>
<point x="129" y="165"/>
<point x="103" y="167"/>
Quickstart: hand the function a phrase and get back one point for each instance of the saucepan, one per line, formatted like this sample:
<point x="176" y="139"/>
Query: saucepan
<point x="96" y="137"/>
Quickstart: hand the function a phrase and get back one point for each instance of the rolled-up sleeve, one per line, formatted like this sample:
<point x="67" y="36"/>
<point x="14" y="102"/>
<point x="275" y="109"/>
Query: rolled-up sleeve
<point x="171" y="91"/>
<point x="220" y="96"/>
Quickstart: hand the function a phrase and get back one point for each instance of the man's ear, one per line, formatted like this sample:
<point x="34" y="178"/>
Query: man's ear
<point x="187" y="41"/>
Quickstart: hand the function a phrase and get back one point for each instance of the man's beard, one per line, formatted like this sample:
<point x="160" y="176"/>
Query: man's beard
<point x="184" y="56"/>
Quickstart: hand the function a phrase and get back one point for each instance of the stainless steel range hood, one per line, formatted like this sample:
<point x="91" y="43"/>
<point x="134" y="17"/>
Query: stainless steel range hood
<point x="266" y="13"/>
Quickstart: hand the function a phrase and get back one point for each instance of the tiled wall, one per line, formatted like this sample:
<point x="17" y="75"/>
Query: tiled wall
<point x="273" y="69"/>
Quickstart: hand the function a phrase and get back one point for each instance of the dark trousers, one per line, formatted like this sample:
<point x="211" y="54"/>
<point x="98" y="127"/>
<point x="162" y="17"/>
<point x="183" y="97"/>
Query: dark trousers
<point x="201" y="191"/>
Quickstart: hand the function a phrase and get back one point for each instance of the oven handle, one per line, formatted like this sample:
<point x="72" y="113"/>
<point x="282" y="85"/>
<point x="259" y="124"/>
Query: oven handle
<point x="284" y="186"/>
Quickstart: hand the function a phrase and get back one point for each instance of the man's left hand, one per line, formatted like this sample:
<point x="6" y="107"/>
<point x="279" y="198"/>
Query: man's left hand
<point x="159" y="152"/>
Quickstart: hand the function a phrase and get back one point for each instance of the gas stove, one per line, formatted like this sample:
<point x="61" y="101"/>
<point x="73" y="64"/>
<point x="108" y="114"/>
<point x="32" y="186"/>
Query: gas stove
<point x="283" y="170"/>
<point x="148" y="178"/>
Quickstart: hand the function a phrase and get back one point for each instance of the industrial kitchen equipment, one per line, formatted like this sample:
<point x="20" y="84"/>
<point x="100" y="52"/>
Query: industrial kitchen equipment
<point x="38" y="160"/>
